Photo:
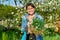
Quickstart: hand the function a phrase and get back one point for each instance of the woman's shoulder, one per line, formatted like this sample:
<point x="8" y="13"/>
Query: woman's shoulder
<point x="39" y="16"/>
<point x="24" y="16"/>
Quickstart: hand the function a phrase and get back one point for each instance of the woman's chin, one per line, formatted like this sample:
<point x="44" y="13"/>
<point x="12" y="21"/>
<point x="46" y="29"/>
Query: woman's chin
<point x="31" y="13"/>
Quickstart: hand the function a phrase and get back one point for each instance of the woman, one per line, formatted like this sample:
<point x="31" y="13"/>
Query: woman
<point x="30" y="15"/>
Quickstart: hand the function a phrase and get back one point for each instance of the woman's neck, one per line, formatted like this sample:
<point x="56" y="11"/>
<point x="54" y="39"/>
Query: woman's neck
<point x="31" y="14"/>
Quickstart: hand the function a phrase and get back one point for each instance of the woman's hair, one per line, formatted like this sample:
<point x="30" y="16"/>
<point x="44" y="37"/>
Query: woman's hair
<point x="30" y="4"/>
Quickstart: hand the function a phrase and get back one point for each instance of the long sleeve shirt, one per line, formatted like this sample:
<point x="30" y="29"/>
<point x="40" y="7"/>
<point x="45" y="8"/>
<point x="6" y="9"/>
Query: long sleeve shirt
<point x="24" y="24"/>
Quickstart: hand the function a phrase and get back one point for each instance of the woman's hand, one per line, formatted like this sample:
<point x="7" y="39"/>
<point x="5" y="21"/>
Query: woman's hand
<point x="29" y="30"/>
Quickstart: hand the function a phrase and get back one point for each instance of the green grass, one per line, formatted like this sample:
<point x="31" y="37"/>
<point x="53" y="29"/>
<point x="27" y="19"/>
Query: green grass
<point x="11" y="35"/>
<point x="0" y="35"/>
<point x="56" y="37"/>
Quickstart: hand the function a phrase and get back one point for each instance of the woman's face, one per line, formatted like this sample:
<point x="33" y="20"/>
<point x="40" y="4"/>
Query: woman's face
<point x="30" y="10"/>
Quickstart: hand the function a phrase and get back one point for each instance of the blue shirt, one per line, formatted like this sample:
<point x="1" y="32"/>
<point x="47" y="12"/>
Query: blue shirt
<point x="24" y="24"/>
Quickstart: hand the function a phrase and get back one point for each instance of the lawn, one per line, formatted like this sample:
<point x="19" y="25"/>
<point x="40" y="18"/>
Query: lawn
<point x="56" y="37"/>
<point x="11" y="35"/>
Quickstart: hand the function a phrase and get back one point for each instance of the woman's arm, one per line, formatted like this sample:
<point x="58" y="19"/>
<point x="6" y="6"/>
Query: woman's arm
<point x="24" y="24"/>
<point x="42" y="24"/>
<point x="42" y="20"/>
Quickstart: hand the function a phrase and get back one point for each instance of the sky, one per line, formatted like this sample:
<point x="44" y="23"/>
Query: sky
<point x="13" y="4"/>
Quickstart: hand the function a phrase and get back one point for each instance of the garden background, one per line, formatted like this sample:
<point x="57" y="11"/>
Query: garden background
<point x="11" y="12"/>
